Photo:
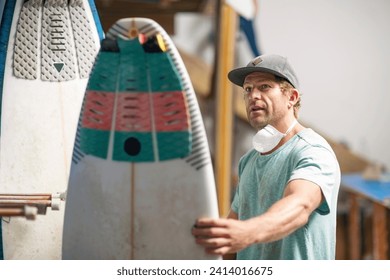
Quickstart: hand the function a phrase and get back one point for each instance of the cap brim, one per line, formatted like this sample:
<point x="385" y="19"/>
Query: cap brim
<point x="237" y="76"/>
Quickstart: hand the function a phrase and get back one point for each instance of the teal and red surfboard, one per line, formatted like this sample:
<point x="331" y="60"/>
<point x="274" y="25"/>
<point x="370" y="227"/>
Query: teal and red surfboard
<point x="47" y="50"/>
<point x="141" y="171"/>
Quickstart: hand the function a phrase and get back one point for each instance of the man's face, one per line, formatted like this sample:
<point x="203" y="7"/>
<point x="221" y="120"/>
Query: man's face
<point x="264" y="100"/>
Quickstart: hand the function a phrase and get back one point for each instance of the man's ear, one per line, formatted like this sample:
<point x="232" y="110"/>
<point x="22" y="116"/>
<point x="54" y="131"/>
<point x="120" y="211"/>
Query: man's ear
<point x="293" y="98"/>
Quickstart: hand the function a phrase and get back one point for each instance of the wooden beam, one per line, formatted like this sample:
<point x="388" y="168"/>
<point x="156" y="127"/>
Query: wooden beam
<point x="224" y="107"/>
<point x="154" y="7"/>
<point x="108" y="19"/>
<point x="380" y="233"/>
<point x="111" y="11"/>
<point x="354" y="228"/>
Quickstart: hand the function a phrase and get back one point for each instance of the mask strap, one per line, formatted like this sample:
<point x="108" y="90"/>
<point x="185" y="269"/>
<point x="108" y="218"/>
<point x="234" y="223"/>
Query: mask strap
<point x="291" y="127"/>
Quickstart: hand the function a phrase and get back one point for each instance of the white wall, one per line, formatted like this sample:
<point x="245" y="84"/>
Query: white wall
<point x="341" y="52"/>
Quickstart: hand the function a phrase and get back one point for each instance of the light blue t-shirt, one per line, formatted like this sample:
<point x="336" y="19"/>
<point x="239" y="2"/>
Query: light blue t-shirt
<point x="262" y="181"/>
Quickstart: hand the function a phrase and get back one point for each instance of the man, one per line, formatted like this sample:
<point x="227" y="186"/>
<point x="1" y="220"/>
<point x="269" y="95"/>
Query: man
<point x="285" y="202"/>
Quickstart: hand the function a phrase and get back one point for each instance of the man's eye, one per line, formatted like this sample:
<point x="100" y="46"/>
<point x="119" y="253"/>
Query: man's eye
<point x="247" y="89"/>
<point x="264" y="87"/>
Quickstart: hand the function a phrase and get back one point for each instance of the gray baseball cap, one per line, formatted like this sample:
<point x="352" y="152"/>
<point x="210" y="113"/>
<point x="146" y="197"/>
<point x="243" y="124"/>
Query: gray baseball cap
<point x="269" y="63"/>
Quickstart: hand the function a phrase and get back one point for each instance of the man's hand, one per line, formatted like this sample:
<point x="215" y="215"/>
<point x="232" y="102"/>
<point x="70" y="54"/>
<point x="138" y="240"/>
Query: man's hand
<point x="222" y="236"/>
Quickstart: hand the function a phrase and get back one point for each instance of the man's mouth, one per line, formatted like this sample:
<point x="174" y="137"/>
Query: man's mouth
<point x="257" y="108"/>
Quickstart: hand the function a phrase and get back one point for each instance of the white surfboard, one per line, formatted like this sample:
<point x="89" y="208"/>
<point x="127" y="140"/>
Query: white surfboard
<point x="141" y="172"/>
<point x="51" y="47"/>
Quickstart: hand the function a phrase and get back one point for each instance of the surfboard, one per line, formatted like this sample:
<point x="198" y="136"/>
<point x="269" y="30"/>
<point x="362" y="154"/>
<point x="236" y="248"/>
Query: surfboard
<point x="48" y="48"/>
<point x="141" y="172"/>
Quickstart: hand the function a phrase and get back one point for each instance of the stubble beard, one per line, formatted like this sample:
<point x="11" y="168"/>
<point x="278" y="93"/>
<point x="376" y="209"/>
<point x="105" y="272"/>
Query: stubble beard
<point x="258" y="123"/>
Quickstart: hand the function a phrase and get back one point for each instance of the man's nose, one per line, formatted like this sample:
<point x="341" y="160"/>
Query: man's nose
<point x="254" y="94"/>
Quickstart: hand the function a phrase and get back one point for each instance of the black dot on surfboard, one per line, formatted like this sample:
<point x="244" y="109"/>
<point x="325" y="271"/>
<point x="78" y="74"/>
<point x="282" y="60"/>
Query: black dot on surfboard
<point x="109" y="45"/>
<point x="132" y="146"/>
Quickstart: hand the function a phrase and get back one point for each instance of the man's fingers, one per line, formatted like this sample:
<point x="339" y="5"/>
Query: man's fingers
<point x="218" y="251"/>
<point x="206" y="232"/>
<point x="215" y="246"/>
<point x="215" y="235"/>
<point x="208" y="222"/>
<point x="212" y="242"/>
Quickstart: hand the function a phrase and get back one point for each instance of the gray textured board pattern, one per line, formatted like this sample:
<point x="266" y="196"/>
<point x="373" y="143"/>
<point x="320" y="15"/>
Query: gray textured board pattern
<point x="58" y="55"/>
<point x="26" y="41"/>
<point x="84" y="41"/>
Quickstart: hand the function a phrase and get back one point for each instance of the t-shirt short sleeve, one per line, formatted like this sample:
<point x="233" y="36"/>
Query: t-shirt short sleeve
<point x="318" y="165"/>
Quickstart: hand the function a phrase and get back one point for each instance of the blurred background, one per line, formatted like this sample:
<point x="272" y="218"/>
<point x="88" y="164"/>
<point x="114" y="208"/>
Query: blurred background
<point x="340" y="52"/>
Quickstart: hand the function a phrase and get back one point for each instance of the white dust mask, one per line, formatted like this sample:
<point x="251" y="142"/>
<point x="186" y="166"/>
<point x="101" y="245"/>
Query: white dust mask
<point x="268" y="137"/>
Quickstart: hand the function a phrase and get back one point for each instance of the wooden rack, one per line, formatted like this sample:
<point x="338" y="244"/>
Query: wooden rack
<point x="29" y="205"/>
